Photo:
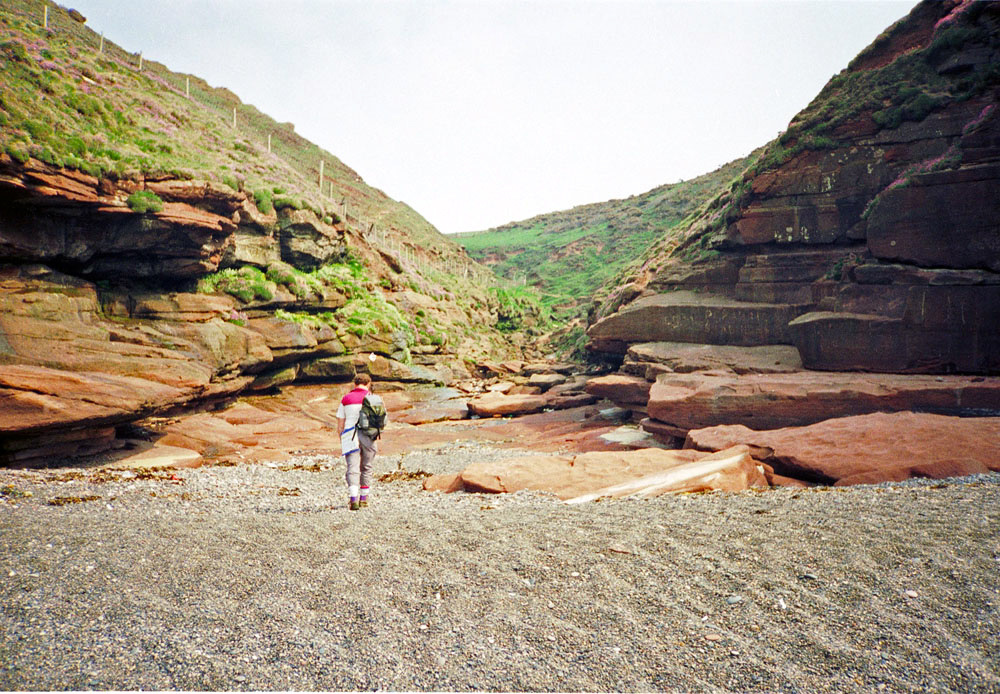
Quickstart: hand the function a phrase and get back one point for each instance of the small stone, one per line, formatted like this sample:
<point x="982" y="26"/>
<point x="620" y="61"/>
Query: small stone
<point x="810" y="577"/>
<point x="550" y="637"/>
<point x="712" y="637"/>
<point x="575" y="574"/>
<point x="781" y="604"/>
<point x="911" y="594"/>
<point x="734" y="599"/>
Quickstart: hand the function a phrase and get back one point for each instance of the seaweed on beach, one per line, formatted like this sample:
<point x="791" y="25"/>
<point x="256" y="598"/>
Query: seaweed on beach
<point x="65" y="500"/>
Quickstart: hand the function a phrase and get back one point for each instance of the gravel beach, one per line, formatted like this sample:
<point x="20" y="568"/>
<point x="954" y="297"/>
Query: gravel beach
<point x="257" y="577"/>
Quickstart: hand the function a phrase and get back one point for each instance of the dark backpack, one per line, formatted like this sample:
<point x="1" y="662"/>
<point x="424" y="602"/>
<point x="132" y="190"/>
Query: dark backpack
<point x="371" y="421"/>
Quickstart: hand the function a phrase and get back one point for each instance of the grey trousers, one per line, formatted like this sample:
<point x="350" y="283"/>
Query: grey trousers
<point x="360" y="463"/>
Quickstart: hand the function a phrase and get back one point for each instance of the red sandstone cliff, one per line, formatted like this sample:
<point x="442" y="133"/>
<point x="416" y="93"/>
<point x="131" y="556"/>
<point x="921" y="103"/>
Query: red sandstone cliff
<point x="867" y="235"/>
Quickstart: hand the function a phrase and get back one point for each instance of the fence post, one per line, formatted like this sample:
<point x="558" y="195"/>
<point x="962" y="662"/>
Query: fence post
<point x="321" y="163"/>
<point x="269" y="143"/>
<point x="45" y="18"/>
<point x="234" y="116"/>
<point x="187" y="87"/>
<point x="100" y="51"/>
<point x="140" y="61"/>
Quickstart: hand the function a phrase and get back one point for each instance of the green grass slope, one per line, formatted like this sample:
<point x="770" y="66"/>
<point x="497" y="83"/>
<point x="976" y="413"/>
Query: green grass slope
<point x="568" y="255"/>
<point x="71" y="99"/>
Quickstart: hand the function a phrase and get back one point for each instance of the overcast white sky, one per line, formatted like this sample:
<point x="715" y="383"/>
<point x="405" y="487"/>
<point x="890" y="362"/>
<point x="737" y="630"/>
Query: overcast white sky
<point x="480" y="113"/>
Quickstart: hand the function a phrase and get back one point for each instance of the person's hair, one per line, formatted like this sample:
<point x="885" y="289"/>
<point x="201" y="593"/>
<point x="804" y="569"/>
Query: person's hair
<point x="362" y="379"/>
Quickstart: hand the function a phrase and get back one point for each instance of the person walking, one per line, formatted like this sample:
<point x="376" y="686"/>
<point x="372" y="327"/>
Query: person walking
<point x="360" y="419"/>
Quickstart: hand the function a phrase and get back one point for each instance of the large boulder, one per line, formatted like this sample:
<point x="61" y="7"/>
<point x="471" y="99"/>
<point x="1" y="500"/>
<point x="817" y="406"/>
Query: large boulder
<point x="621" y="389"/>
<point x="772" y="401"/>
<point x="869" y="448"/>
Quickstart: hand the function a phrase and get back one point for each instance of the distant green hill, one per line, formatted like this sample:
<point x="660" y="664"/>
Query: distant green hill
<point x="568" y="255"/>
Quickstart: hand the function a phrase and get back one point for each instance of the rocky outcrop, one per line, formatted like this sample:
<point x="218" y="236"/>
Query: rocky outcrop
<point x="853" y="262"/>
<point x="648" y="359"/>
<point x="867" y="235"/>
<point x="770" y="401"/>
<point x="165" y="350"/>
<point x="868" y="449"/>
<point x="76" y="222"/>
<point x="51" y="413"/>
<point x="589" y="476"/>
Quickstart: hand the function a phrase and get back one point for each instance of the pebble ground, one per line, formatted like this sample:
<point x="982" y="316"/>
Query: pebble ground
<point x="257" y="577"/>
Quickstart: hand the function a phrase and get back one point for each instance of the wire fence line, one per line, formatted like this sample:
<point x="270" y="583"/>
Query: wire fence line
<point x="393" y="245"/>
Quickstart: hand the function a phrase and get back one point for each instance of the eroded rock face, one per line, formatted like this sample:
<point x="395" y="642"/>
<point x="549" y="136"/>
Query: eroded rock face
<point x="873" y="247"/>
<point x="868" y="449"/>
<point x="72" y="220"/>
<point x="49" y="413"/>
<point x="307" y="244"/>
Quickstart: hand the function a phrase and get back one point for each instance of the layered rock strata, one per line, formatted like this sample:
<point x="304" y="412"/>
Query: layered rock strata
<point x="867" y="236"/>
<point x="94" y="293"/>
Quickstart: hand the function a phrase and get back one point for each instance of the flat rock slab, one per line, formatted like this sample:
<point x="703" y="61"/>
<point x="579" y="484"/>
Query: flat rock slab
<point x="772" y="401"/>
<point x="685" y="357"/>
<point x="868" y="449"/>
<point x="544" y="381"/>
<point x="620" y="389"/>
<point x="589" y="476"/>
<point x="500" y="405"/>
<point x="36" y="398"/>
<point x="158" y="456"/>
<point x="700" y="317"/>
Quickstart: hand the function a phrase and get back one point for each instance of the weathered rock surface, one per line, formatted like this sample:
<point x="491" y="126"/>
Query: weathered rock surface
<point x="649" y="359"/>
<point x="685" y="316"/>
<point x="868" y="449"/>
<point x="588" y="476"/>
<point x="500" y="405"/>
<point x="621" y="389"/>
<point x="51" y="413"/>
<point x="544" y="381"/>
<point x="772" y="401"/>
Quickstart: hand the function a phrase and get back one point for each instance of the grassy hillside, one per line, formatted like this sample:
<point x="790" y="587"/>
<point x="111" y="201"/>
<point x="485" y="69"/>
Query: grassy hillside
<point x="72" y="99"/>
<point x="568" y="255"/>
